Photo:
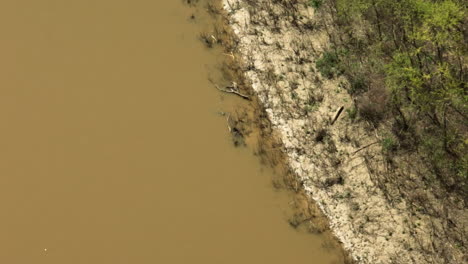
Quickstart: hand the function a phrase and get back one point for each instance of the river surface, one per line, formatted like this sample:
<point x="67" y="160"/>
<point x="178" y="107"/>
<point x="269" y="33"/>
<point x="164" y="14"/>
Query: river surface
<point x="112" y="148"/>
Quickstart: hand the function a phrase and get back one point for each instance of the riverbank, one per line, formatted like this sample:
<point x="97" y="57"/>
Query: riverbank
<point x="337" y="161"/>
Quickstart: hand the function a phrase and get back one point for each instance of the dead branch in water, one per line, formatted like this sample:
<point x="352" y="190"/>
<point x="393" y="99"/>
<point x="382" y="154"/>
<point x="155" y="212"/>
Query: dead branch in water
<point x="232" y="89"/>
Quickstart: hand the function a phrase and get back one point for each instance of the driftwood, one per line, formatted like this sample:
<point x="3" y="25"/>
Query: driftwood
<point x="230" y="55"/>
<point x="232" y="89"/>
<point x="228" y="119"/>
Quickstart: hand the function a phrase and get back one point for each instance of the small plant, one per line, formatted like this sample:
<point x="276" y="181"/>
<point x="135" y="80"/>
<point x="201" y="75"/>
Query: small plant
<point x="358" y="85"/>
<point x="294" y="95"/>
<point x="328" y="65"/>
<point x="315" y="3"/>
<point x="388" y="144"/>
<point x="310" y="108"/>
<point x="352" y="113"/>
<point x="311" y="105"/>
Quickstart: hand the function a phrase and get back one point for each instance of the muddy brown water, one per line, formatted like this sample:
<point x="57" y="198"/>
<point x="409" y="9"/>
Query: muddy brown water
<point x="112" y="149"/>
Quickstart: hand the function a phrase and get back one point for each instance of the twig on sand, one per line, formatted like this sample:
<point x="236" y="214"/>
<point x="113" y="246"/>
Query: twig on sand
<point x="366" y="146"/>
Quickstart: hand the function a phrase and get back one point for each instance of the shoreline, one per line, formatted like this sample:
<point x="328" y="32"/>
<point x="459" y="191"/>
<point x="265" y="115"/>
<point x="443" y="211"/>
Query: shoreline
<point x="326" y="157"/>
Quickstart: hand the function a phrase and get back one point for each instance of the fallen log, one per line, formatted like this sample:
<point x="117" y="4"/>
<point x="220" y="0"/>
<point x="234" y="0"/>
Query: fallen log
<point x="340" y="110"/>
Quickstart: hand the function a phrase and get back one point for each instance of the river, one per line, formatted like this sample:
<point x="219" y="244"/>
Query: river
<point x="113" y="149"/>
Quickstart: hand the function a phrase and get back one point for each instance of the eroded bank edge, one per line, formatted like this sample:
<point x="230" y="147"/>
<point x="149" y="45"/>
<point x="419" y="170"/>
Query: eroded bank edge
<point x="275" y="52"/>
<point x="250" y="124"/>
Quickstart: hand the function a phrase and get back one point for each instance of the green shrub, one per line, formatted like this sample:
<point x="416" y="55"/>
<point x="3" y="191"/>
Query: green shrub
<point x="328" y="65"/>
<point x="315" y="3"/>
<point x="358" y="85"/>
<point x="388" y="144"/>
<point x="352" y="113"/>
<point x="371" y="112"/>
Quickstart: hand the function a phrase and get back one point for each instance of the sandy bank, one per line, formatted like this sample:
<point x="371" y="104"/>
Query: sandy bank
<point x="279" y="41"/>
